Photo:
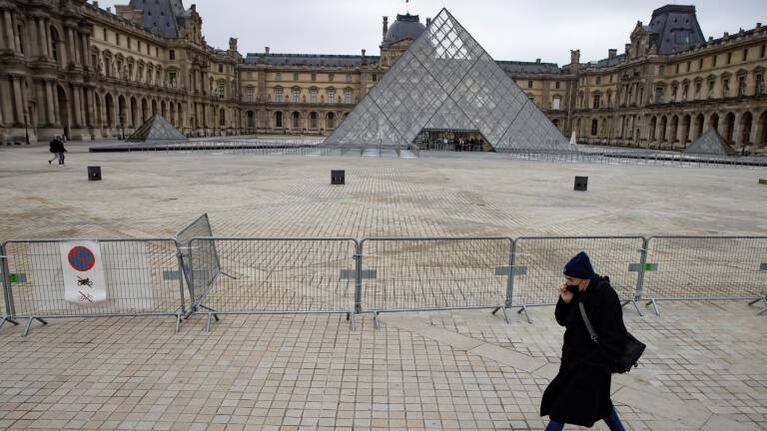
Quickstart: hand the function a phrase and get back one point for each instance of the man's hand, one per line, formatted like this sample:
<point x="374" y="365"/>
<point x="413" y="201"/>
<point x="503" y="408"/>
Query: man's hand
<point x="565" y="294"/>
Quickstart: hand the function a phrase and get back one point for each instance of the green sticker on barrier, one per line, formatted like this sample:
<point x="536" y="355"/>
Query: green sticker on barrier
<point x="650" y="267"/>
<point x="14" y="278"/>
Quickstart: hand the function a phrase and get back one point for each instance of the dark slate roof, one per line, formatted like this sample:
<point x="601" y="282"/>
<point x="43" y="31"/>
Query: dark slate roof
<point x="349" y="61"/>
<point x="608" y="62"/>
<point x="675" y="28"/>
<point x="529" y="67"/>
<point x="406" y="27"/>
<point x="160" y="16"/>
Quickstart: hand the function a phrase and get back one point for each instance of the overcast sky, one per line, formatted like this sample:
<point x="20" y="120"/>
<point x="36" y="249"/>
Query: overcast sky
<point x="507" y="29"/>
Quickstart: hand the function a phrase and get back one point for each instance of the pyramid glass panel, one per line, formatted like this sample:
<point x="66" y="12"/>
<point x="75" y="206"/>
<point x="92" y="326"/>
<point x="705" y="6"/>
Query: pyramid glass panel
<point x="446" y="81"/>
<point x="710" y="143"/>
<point x="156" y="128"/>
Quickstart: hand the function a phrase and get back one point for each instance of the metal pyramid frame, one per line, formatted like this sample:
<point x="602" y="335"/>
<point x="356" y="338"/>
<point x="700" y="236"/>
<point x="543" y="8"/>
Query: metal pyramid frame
<point x="446" y="80"/>
<point x="710" y="144"/>
<point x="156" y="128"/>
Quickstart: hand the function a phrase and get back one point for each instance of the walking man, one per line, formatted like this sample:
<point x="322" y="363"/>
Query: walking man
<point x="580" y="393"/>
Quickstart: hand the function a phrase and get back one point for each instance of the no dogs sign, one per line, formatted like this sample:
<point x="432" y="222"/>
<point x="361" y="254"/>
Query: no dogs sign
<point x="84" y="281"/>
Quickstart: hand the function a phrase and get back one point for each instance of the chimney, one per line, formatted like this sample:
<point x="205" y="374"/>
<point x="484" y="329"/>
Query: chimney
<point x="363" y="52"/>
<point x="612" y="53"/>
<point x="628" y="48"/>
<point x="711" y="38"/>
<point x="759" y="25"/>
<point x="232" y="44"/>
<point x="385" y="26"/>
<point x="194" y="8"/>
<point x="538" y="61"/>
<point x="95" y="3"/>
<point x="575" y="56"/>
<point x="266" y="50"/>
<point x="726" y="35"/>
<point x="428" y="22"/>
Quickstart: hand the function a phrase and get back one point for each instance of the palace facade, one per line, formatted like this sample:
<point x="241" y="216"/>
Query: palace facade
<point x="71" y="67"/>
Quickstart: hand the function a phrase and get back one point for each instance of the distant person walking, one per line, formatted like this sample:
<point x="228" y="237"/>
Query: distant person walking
<point x="580" y="393"/>
<point x="57" y="148"/>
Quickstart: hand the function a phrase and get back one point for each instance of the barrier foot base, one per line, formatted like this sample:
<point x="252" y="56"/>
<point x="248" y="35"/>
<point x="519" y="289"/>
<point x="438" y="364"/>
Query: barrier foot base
<point x="29" y="325"/>
<point x="178" y="322"/>
<point x="636" y="306"/>
<point x="376" y="320"/>
<point x="7" y="319"/>
<point x="352" y="321"/>
<point x="654" y="306"/>
<point x="207" y="322"/>
<point x="211" y="311"/>
<point x="527" y="315"/>
<point x="505" y="315"/>
<point x="762" y="299"/>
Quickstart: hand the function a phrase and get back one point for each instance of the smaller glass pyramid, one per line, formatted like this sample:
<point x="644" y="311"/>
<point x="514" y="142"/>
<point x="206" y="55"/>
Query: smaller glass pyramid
<point x="710" y="144"/>
<point x="156" y="128"/>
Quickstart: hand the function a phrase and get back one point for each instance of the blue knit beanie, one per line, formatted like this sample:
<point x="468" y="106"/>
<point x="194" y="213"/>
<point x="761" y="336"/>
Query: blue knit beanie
<point x="580" y="267"/>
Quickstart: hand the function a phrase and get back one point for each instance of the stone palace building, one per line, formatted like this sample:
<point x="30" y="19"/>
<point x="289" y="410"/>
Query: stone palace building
<point x="71" y="67"/>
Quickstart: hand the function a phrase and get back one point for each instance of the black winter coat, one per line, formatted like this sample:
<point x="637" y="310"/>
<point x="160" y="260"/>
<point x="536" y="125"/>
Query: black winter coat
<point x="580" y="393"/>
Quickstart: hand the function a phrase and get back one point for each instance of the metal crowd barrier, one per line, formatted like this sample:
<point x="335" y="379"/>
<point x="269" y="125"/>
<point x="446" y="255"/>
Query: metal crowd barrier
<point x="141" y="277"/>
<point x="410" y="274"/>
<point x="693" y="268"/>
<point x="276" y="276"/>
<point x="200" y="227"/>
<point x="537" y="264"/>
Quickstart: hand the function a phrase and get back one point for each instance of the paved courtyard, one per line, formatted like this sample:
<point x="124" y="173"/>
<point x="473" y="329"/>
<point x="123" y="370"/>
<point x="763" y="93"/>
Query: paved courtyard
<point x="704" y="368"/>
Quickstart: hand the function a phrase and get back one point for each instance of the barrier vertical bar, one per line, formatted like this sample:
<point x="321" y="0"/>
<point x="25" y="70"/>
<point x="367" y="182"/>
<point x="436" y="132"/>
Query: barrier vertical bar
<point x="7" y="294"/>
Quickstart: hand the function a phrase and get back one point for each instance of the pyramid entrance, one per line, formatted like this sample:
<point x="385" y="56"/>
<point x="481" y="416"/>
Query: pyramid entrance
<point x="452" y="140"/>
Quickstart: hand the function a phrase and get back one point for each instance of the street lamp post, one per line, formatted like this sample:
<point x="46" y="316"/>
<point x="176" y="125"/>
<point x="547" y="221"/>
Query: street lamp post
<point x="26" y="125"/>
<point x="122" y="124"/>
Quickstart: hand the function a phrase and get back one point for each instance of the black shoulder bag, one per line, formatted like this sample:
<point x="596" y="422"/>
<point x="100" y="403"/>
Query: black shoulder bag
<point x="632" y="349"/>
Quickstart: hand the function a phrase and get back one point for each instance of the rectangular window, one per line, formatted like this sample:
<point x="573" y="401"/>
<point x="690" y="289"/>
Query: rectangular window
<point x="130" y="43"/>
<point x="220" y="68"/>
<point x="278" y="76"/>
<point x="106" y="35"/>
<point x="677" y="69"/>
<point x="555" y="103"/>
<point x="172" y="79"/>
<point x="689" y="66"/>
<point x="700" y="64"/>
<point x="296" y="95"/>
<point x="764" y="51"/>
<point x="661" y="70"/>
<point x="697" y="88"/>
<point x="729" y="57"/>
<point x="726" y="87"/>
<point x="348" y="97"/>
<point x="331" y="96"/>
<point x="348" y="77"/>
<point x="313" y="96"/>
<point x="594" y="127"/>
<point x="295" y="76"/>
<point x="596" y="101"/>
<point x="713" y="61"/>
<point x="375" y="77"/>
<point x="138" y="46"/>
<point x="172" y="54"/>
<point x="331" y="77"/>
<point x="251" y="94"/>
<point x="20" y="38"/>
<point x="117" y="39"/>
<point x="599" y="80"/>
<point x="556" y="85"/>
<point x="221" y="89"/>
<point x="529" y="84"/>
<point x="759" y="84"/>
<point x="745" y="54"/>
<point x="314" y="76"/>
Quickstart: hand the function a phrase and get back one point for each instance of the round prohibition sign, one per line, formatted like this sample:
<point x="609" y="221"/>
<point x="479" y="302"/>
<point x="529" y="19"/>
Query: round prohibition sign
<point x="81" y="258"/>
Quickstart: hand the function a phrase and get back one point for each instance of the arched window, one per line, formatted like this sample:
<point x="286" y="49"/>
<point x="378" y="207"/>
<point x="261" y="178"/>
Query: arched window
<point x="278" y="95"/>
<point x="55" y="44"/>
<point x="313" y="95"/>
<point x="313" y="120"/>
<point x="278" y="119"/>
<point x="296" y="95"/>
<point x="348" y="96"/>
<point x="222" y="117"/>
<point x="332" y="96"/>
<point x="251" y="120"/>
<point x="296" y="119"/>
<point x="594" y="127"/>
<point x="330" y="121"/>
<point x="555" y="103"/>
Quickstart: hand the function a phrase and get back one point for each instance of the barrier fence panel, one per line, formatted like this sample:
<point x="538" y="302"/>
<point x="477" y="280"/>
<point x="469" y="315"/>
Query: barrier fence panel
<point x="81" y="278"/>
<point x="205" y="275"/>
<point x="6" y="305"/>
<point x="538" y="264"/>
<point x="706" y="268"/>
<point x="276" y="276"/>
<point x="403" y="274"/>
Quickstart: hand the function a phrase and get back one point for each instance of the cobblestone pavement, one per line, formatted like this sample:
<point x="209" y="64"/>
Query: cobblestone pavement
<point x="704" y="368"/>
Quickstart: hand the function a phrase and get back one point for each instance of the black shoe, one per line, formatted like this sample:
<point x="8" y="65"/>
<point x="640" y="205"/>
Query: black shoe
<point x="49" y="161"/>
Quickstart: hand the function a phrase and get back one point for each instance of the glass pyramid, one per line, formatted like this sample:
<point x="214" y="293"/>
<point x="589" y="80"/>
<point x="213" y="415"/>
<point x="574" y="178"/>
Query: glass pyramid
<point x="156" y="128"/>
<point x="710" y="143"/>
<point x="447" y="81"/>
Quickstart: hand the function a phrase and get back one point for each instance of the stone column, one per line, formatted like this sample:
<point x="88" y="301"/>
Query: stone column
<point x="78" y="120"/>
<point x="92" y="116"/>
<point x="49" y="101"/>
<point x="9" y="33"/>
<point x="18" y="100"/>
<point x="42" y="38"/>
<point x="5" y="103"/>
<point x="86" y="51"/>
<point x="71" y="51"/>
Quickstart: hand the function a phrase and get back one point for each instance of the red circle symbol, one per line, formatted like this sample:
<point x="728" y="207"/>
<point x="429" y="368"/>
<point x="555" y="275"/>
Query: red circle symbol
<point x="81" y="258"/>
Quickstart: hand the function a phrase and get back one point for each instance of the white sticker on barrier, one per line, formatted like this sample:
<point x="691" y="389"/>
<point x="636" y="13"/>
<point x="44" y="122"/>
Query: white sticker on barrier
<point x="83" y="270"/>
